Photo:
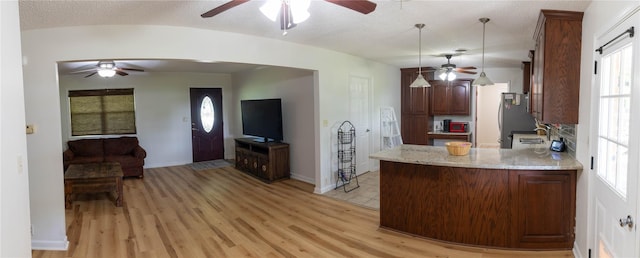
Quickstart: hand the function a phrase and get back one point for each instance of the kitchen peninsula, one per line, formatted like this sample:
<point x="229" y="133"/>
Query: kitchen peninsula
<point x="497" y="198"/>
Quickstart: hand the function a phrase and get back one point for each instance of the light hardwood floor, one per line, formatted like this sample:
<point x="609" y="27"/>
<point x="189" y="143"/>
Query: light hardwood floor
<point x="179" y="212"/>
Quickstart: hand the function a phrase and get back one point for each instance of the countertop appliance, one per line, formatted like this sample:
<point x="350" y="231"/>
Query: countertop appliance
<point x="513" y="116"/>
<point x="458" y="127"/>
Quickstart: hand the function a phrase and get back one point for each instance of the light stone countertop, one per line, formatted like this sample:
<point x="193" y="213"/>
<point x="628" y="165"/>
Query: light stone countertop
<point x="526" y="159"/>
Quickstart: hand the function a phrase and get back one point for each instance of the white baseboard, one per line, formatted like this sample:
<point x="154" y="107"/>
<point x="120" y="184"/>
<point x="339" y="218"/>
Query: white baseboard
<point x="303" y="178"/>
<point x="324" y="189"/>
<point x="62" y="245"/>
<point x="576" y="251"/>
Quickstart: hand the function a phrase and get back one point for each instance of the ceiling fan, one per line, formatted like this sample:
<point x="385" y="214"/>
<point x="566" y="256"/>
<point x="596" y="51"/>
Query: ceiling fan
<point x="107" y="68"/>
<point x="287" y="13"/>
<point x="452" y="67"/>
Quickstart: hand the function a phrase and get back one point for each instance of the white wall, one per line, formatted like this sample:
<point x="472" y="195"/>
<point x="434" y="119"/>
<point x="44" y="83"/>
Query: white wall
<point x="15" y="239"/>
<point x="295" y="88"/>
<point x="43" y="48"/>
<point x="163" y="115"/>
<point x="599" y="17"/>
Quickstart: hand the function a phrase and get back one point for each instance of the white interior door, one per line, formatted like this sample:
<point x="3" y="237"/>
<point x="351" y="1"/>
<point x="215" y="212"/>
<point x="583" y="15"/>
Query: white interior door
<point x="616" y="151"/>
<point x="360" y="117"/>
<point x="488" y="103"/>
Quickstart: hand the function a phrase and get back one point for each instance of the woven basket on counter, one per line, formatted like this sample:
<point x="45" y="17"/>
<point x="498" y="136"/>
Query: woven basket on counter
<point x="458" y="148"/>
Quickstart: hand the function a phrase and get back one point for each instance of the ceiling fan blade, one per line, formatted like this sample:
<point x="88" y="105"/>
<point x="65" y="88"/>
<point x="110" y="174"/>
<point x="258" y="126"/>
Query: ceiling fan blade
<point x="222" y="8"/>
<point x="430" y="69"/>
<point x="121" y="73"/>
<point x="130" y="69"/>
<point x="83" y="71"/>
<point x="463" y="71"/>
<point x="361" y="6"/>
<point x="91" y="74"/>
<point x="467" y="67"/>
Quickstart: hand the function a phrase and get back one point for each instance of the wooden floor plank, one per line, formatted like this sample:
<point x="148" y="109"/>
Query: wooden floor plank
<point x="179" y="212"/>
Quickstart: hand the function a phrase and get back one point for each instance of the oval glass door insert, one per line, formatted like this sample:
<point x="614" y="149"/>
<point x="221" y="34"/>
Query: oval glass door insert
<point x="206" y="114"/>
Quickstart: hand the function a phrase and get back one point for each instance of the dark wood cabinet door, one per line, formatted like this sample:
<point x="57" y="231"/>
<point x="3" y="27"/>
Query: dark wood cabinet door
<point x="415" y="118"/>
<point x="415" y="101"/>
<point x="459" y="100"/>
<point x="450" y="98"/>
<point x="543" y="208"/>
<point x="557" y="67"/>
<point x="526" y="77"/>
<point x="536" y="92"/>
<point x="440" y="98"/>
<point x="414" y="129"/>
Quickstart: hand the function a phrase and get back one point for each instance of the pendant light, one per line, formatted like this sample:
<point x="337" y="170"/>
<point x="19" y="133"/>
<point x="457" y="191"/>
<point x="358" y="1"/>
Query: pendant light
<point x="483" y="80"/>
<point x="420" y="82"/>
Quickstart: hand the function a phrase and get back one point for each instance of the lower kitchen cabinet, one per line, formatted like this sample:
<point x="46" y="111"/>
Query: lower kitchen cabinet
<point x="497" y="208"/>
<point x="543" y="209"/>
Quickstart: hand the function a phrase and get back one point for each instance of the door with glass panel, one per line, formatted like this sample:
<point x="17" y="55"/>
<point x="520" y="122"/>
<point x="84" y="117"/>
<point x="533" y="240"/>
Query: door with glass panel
<point x="615" y="150"/>
<point x="206" y="124"/>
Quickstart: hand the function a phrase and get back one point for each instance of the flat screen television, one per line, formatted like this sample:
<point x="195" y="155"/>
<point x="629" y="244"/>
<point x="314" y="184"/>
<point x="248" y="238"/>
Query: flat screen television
<point x="262" y="118"/>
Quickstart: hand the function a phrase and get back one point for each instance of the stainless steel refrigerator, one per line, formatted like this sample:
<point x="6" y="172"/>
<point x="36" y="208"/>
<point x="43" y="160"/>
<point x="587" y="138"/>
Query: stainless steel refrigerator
<point x="513" y="116"/>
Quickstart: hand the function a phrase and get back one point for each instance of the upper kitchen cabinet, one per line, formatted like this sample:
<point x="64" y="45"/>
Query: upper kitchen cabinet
<point x="414" y="116"/>
<point x="526" y="77"/>
<point x="450" y="97"/>
<point x="556" y="67"/>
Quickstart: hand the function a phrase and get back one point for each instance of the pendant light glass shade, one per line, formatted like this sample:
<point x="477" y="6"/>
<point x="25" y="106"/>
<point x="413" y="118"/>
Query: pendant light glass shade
<point x="420" y="82"/>
<point x="483" y="80"/>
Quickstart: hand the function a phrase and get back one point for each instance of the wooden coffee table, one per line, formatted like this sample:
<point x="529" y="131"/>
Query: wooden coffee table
<point x="93" y="178"/>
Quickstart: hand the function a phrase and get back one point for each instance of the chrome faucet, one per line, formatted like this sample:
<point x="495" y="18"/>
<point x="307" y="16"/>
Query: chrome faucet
<point x="546" y="131"/>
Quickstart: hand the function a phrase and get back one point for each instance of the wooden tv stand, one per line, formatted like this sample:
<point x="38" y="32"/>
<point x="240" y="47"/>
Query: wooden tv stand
<point x="266" y="161"/>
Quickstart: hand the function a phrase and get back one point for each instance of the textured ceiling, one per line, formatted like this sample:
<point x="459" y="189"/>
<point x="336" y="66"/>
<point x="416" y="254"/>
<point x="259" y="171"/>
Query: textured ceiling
<point x="386" y="35"/>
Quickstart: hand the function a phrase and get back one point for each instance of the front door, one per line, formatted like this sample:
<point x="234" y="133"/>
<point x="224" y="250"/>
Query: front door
<point x="206" y="124"/>
<point x="616" y="151"/>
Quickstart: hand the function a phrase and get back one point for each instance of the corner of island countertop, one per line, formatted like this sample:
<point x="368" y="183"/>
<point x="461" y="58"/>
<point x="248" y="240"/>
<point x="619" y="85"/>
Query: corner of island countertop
<point x="487" y="158"/>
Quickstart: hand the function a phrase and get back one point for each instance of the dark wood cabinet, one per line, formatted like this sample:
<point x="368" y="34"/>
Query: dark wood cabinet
<point x="266" y="161"/>
<point x="556" y="69"/>
<point x="526" y="77"/>
<point x="415" y="118"/>
<point x="450" y="98"/>
<point x="543" y="208"/>
<point x="499" y="208"/>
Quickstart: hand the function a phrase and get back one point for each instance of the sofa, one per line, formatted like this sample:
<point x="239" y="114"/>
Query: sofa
<point x="124" y="150"/>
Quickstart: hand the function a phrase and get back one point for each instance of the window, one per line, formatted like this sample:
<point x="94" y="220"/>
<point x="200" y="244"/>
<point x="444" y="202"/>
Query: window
<point x="207" y="116"/>
<point x="102" y="112"/>
<point x="615" y="114"/>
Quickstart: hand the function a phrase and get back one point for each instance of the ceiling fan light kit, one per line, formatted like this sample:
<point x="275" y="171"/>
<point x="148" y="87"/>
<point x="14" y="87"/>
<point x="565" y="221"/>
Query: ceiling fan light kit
<point x="420" y="82"/>
<point x="107" y="69"/>
<point x="291" y="12"/>
<point x="483" y="80"/>
<point x="106" y="73"/>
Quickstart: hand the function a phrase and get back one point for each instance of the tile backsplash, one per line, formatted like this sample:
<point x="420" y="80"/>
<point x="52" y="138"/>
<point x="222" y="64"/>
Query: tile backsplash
<point x="568" y="133"/>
